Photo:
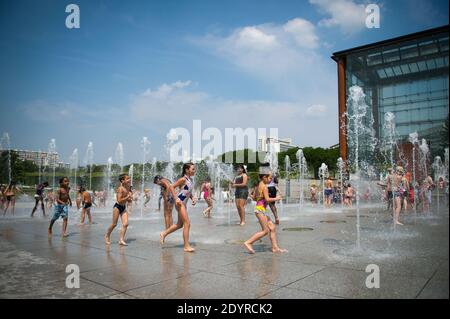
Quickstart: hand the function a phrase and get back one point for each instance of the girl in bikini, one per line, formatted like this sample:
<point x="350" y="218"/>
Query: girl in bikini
<point x="262" y="198"/>
<point x="186" y="186"/>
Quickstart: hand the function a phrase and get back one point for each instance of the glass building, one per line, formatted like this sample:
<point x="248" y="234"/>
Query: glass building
<point x="407" y="76"/>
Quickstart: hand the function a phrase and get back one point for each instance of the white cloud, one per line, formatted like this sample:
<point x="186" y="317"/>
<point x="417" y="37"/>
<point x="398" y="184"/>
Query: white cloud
<point x="252" y="38"/>
<point x="346" y="14"/>
<point x="303" y="33"/>
<point x="181" y="104"/>
<point x="285" y="57"/>
<point x="317" y="110"/>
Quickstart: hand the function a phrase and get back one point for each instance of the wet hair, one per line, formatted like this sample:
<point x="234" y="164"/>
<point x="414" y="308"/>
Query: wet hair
<point x="122" y="177"/>
<point x="157" y="178"/>
<point x="241" y="166"/>
<point x="61" y="180"/>
<point x="45" y="184"/>
<point x="186" y="166"/>
<point x="82" y="189"/>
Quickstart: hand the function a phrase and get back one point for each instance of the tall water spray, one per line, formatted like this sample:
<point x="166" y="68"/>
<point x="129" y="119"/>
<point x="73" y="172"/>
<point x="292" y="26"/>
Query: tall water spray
<point x="323" y="174"/>
<point x="424" y="153"/>
<point x="89" y="160"/>
<point x="74" y="165"/>
<point x="360" y="136"/>
<point x="108" y="177"/>
<point x="302" y="169"/>
<point x="341" y="166"/>
<point x="145" y="145"/>
<point x="131" y="174"/>
<point x="390" y="145"/>
<point x="287" y="169"/>
<point x="5" y="145"/>
<point x="390" y="137"/>
<point x="119" y="156"/>
<point x="446" y="164"/>
<point x="414" y="140"/>
<point x="52" y="158"/>
<point x="438" y="168"/>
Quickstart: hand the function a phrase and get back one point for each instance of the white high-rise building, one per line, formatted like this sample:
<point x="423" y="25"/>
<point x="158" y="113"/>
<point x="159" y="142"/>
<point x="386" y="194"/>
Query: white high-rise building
<point x="278" y="144"/>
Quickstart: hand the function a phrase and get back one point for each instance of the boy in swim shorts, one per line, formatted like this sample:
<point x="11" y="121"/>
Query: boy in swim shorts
<point x="62" y="202"/>
<point x="120" y="209"/>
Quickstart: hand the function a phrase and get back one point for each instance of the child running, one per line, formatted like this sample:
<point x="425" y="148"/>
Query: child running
<point x="185" y="184"/>
<point x="169" y="195"/>
<point x="61" y="206"/>
<point x="262" y="199"/>
<point x="120" y="209"/>
<point x="207" y="195"/>
<point x="87" y="204"/>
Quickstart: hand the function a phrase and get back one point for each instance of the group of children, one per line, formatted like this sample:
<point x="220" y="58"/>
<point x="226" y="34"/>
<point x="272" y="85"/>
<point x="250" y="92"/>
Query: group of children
<point x="333" y="193"/>
<point x="179" y="199"/>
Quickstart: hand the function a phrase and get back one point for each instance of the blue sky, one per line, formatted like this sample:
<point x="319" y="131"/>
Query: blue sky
<point x="139" y="68"/>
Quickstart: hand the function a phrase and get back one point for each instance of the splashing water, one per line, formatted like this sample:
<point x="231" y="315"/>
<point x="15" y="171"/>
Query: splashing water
<point x="341" y="166"/>
<point x="323" y="174"/>
<point x="145" y="145"/>
<point x="51" y="158"/>
<point x="438" y="168"/>
<point x="361" y="140"/>
<point x="414" y="139"/>
<point x="74" y="165"/>
<point x="424" y="153"/>
<point x="89" y="160"/>
<point x="131" y="174"/>
<point x="302" y="171"/>
<point x="287" y="169"/>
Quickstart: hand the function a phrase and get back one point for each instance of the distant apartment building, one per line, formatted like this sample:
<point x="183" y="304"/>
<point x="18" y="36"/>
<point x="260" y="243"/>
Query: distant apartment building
<point x="41" y="158"/>
<point x="279" y="144"/>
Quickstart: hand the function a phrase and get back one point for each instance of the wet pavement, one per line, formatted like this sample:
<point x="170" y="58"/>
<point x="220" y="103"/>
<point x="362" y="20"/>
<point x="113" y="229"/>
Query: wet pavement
<point x="323" y="260"/>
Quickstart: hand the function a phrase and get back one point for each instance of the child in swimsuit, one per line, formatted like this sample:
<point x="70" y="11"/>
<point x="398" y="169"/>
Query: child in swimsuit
<point x="123" y="196"/>
<point x="169" y="195"/>
<point x="206" y="189"/>
<point x="262" y="199"/>
<point x="62" y="202"/>
<point x="87" y="204"/>
<point x="186" y="185"/>
<point x="10" y="195"/>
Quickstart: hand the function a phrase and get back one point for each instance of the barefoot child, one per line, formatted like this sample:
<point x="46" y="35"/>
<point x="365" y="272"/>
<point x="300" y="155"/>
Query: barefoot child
<point x="39" y="197"/>
<point x="62" y="202"/>
<point x="262" y="199"/>
<point x="207" y="192"/>
<point x="185" y="184"/>
<point x="169" y="195"/>
<point x="87" y="204"/>
<point x="123" y="196"/>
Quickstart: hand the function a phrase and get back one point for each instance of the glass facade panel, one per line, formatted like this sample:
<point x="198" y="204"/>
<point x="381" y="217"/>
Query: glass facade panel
<point x="409" y="79"/>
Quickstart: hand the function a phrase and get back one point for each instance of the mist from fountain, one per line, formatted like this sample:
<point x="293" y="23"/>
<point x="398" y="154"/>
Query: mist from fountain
<point x="145" y="145"/>
<point x="119" y="155"/>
